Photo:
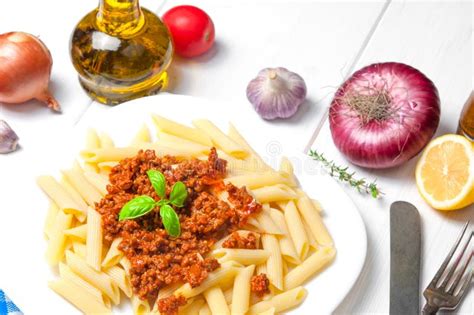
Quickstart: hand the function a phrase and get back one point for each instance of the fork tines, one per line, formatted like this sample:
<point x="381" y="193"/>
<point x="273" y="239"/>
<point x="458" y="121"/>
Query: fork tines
<point x="442" y="294"/>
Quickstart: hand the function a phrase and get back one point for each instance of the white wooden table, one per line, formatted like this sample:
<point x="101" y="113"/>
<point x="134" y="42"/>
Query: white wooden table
<point x="323" y="41"/>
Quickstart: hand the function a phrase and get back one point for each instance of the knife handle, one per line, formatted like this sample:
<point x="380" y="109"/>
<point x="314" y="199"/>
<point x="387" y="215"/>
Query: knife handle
<point x="430" y="309"/>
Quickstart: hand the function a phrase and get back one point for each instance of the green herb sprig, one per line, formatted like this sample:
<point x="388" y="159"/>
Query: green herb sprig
<point x="343" y="175"/>
<point x="141" y="205"/>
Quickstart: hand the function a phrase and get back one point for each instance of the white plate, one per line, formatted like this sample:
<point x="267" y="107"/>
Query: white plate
<point x="24" y="274"/>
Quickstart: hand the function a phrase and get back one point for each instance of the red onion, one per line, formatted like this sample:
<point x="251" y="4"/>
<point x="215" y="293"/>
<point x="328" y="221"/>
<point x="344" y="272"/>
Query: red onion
<point x="25" y="69"/>
<point x="384" y="115"/>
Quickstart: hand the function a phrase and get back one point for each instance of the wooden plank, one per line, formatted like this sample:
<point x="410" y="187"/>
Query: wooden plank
<point x="436" y="38"/>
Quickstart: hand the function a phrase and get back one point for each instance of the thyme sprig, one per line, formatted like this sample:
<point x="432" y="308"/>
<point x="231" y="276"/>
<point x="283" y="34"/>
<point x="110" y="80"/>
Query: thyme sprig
<point x="344" y="175"/>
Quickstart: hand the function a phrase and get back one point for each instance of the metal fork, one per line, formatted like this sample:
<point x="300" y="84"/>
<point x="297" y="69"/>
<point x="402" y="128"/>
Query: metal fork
<point x="442" y="296"/>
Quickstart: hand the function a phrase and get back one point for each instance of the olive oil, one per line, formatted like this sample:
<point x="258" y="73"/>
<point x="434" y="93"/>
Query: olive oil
<point x="466" y="121"/>
<point x="121" y="52"/>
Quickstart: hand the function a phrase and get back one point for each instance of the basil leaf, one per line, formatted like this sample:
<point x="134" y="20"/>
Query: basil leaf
<point x="136" y="207"/>
<point x="158" y="182"/>
<point x="170" y="220"/>
<point x="178" y="194"/>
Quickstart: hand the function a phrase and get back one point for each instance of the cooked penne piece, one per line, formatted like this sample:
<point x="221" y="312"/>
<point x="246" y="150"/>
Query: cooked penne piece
<point x="98" y="279"/>
<point x="286" y="166"/>
<point x="50" y="219"/>
<point x="220" y="139"/>
<point x="94" y="239"/>
<point x="266" y="223"/>
<point x="142" y="136"/>
<point x="99" y="181"/>
<point x="274" y="262"/>
<point x="59" y="195"/>
<point x="57" y="240"/>
<point x="67" y="274"/>
<point x="228" y="294"/>
<point x="313" y="264"/>
<point x="183" y="145"/>
<point x="78" y="233"/>
<point x="278" y="192"/>
<point x="317" y="205"/>
<point x="80" y="298"/>
<point x="205" y="310"/>
<point x="92" y="139"/>
<point x="235" y="135"/>
<point x="216" y="301"/>
<point x="120" y="279"/>
<point x="73" y="192"/>
<point x="106" y="167"/>
<point x="260" y="269"/>
<point x="79" y="249"/>
<point x="287" y="247"/>
<point x="88" y="192"/>
<point x="117" y="154"/>
<point x="296" y="229"/>
<point x="106" y="141"/>
<point x="218" y="277"/>
<point x="253" y="181"/>
<point x="280" y="302"/>
<point x="314" y="220"/>
<point x="241" y="291"/>
<point x="309" y="234"/>
<point x="270" y="311"/>
<point x="192" y="308"/>
<point x="114" y="255"/>
<point x="140" y="307"/>
<point x="243" y="256"/>
<point x="181" y="131"/>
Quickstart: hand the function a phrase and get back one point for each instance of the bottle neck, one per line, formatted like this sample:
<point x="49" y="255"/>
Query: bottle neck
<point x="120" y="17"/>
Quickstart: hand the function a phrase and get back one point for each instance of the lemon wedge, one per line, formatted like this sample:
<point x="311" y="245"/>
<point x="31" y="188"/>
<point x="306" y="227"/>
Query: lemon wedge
<point x="445" y="173"/>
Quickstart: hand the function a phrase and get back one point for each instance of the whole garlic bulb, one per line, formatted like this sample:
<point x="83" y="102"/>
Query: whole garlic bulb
<point x="276" y="93"/>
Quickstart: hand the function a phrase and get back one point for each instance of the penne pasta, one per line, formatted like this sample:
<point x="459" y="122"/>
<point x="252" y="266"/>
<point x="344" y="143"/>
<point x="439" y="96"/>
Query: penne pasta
<point x="73" y="193"/>
<point x="57" y="240"/>
<point x="106" y="141"/>
<point x="181" y="131"/>
<point x="78" y="233"/>
<point x="286" y="167"/>
<point x="94" y="239"/>
<point x="287" y="247"/>
<point x="280" y="302"/>
<point x="238" y="138"/>
<point x="114" y="255"/>
<point x="59" y="195"/>
<point x="296" y="229"/>
<point x="50" y="219"/>
<point x="316" y="262"/>
<point x="192" y="308"/>
<point x="216" y="301"/>
<point x="205" y="310"/>
<point x="98" y="279"/>
<point x="80" y="298"/>
<point x="274" y="262"/>
<point x="99" y="181"/>
<point x="274" y="193"/>
<point x="120" y="279"/>
<point x="142" y="136"/>
<point x="220" y="139"/>
<point x="140" y="307"/>
<point x="243" y="256"/>
<point x="79" y="249"/>
<point x="218" y="277"/>
<point x="266" y="222"/>
<point x="67" y="274"/>
<point x="258" y="180"/>
<point x="241" y="291"/>
<point x="313" y="218"/>
<point x="92" y="139"/>
<point x="88" y="192"/>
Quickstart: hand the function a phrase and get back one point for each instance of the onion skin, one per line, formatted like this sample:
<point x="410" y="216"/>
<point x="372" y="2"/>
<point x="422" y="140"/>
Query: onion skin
<point x="25" y="69"/>
<point x="392" y="141"/>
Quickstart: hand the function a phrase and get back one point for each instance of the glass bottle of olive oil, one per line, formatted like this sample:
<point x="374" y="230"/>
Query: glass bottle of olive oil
<point x="121" y="52"/>
<point x="466" y="121"/>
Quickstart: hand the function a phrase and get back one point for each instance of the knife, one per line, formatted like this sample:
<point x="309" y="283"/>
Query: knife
<point x="405" y="252"/>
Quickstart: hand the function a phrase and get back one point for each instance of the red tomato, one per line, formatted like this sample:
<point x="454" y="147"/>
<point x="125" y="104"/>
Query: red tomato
<point x="191" y="28"/>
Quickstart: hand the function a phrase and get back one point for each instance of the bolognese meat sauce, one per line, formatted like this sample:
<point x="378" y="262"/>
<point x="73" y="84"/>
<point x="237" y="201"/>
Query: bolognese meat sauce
<point x="156" y="258"/>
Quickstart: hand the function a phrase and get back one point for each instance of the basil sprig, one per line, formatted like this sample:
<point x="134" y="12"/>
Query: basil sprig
<point x="141" y="205"/>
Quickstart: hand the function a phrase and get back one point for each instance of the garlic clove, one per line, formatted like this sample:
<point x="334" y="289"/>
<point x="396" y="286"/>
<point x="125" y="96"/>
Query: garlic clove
<point x="8" y="138"/>
<point x="276" y="93"/>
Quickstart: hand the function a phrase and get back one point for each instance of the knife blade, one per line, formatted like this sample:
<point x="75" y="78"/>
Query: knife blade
<point x="405" y="252"/>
